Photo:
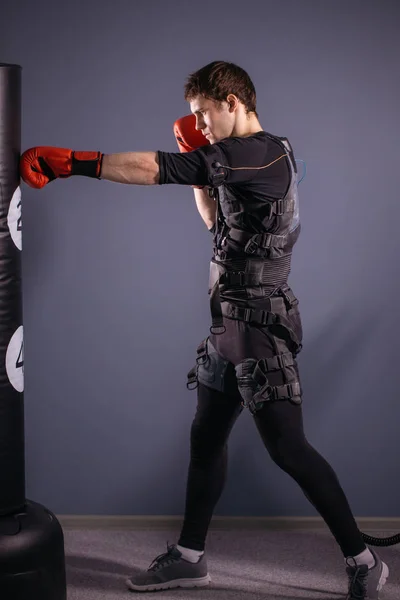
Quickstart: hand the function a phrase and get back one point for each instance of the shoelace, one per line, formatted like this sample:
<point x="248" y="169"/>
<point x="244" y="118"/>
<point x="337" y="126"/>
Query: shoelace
<point x="163" y="559"/>
<point x="357" y="583"/>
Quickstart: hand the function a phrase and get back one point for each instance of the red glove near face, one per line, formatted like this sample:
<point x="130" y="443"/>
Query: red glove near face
<point x="188" y="137"/>
<point x="40" y="165"/>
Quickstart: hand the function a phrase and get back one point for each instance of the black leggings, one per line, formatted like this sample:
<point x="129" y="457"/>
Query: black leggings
<point x="280" y="424"/>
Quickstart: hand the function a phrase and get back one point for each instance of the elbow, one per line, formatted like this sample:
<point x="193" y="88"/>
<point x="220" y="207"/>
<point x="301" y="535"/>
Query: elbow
<point x="156" y="177"/>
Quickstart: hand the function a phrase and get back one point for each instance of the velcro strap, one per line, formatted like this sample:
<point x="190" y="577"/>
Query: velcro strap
<point x="288" y="294"/>
<point x="259" y="241"/>
<point x="240" y="278"/>
<point x="221" y="273"/>
<point x="87" y="164"/>
<point x="252" y="315"/>
<point x="288" y="391"/>
<point x="280" y="207"/>
<point x="278" y="362"/>
<point x="192" y="378"/>
<point x="202" y="355"/>
<point x="264" y="241"/>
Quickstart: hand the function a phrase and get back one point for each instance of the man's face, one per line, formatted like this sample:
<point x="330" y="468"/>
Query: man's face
<point x="216" y="123"/>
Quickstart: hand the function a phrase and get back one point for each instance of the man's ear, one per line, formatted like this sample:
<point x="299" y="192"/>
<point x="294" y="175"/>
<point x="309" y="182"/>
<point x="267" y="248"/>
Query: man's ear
<point x="232" y="101"/>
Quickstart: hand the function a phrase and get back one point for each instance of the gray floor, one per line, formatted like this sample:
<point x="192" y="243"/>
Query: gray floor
<point x="245" y="565"/>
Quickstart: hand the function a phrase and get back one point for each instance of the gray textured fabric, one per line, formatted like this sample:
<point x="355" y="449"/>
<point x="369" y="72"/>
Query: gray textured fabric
<point x="216" y="372"/>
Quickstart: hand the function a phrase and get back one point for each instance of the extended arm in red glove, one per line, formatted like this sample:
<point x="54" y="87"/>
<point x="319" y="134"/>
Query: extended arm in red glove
<point x="40" y="165"/>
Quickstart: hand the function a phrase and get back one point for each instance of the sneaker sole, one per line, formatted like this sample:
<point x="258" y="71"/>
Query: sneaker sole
<point x="383" y="577"/>
<point x="167" y="585"/>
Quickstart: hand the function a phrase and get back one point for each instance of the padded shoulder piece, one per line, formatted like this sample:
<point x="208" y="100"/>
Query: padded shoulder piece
<point x="214" y="159"/>
<point x="289" y="149"/>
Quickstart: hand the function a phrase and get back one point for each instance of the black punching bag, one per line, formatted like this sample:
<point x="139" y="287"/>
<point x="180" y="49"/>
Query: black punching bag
<point x="32" y="561"/>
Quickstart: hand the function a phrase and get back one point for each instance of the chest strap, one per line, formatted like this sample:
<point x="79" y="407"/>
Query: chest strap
<point x="257" y="243"/>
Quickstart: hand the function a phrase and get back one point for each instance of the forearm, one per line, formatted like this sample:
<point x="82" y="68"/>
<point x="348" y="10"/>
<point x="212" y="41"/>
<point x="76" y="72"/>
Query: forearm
<point x="140" y="168"/>
<point x="206" y="206"/>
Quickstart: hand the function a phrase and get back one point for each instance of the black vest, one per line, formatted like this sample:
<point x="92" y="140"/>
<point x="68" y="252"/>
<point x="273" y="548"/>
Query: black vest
<point x="253" y="243"/>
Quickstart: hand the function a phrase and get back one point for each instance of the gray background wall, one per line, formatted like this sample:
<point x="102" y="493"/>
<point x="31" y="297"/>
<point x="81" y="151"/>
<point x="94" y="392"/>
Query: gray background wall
<point x="115" y="277"/>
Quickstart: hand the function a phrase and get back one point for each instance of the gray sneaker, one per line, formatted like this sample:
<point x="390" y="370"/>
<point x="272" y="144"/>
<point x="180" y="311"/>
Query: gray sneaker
<point x="171" y="570"/>
<point x="364" y="583"/>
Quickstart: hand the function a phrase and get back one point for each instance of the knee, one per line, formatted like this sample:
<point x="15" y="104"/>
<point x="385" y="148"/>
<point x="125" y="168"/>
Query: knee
<point x="289" y="454"/>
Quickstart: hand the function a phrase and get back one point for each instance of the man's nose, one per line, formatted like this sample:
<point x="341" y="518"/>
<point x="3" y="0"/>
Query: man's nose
<point x="199" y="124"/>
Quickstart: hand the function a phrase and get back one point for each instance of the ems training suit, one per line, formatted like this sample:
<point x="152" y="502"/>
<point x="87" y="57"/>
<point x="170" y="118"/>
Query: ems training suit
<point x="249" y="360"/>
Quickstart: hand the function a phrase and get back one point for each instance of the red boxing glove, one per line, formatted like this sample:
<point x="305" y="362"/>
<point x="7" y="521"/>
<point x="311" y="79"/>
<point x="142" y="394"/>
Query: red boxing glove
<point x="188" y="137"/>
<point x="40" y="165"/>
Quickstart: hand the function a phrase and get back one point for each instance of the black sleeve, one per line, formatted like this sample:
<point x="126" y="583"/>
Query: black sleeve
<point x="215" y="164"/>
<point x="188" y="168"/>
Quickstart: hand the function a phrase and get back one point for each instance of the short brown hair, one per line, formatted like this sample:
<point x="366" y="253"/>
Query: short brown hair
<point x="217" y="80"/>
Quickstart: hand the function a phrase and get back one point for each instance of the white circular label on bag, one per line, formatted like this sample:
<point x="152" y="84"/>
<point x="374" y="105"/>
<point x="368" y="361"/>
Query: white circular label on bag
<point x="14" y="218"/>
<point x="15" y="360"/>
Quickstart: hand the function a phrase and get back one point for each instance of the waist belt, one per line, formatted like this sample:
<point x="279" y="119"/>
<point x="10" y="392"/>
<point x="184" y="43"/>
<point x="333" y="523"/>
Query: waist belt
<point x="274" y="306"/>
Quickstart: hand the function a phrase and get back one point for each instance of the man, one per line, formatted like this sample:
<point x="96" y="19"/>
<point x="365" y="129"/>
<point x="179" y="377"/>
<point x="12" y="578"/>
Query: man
<point x="245" y="188"/>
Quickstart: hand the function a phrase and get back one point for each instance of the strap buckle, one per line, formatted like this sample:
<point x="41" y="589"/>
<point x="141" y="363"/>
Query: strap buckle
<point x="280" y="209"/>
<point x="235" y="277"/>
<point x="202" y="354"/>
<point x="192" y="378"/>
<point x="221" y="254"/>
<point x="266" y="240"/>
<point x="247" y="314"/>
<point x="288" y="296"/>
<point x="251" y="246"/>
<point x="294" y="391"/>
<point x="254" y="406"/>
